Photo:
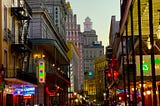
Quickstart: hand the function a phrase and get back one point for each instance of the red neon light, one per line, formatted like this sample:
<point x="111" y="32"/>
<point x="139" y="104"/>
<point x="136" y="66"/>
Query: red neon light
<point x="50" y="93"/>
<point x="27" y="97"/>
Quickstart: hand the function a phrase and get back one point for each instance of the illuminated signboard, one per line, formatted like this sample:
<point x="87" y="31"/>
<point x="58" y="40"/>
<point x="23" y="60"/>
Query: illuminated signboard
<point x="121" y="91"/>
<point x="27" y="97"/>
<point x="41" y="71"/>
<point x="146" y="66"/>
<point x="24" y="91"/>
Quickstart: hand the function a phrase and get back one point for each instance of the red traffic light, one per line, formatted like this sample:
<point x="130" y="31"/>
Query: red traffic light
<point x="115" y="74"/>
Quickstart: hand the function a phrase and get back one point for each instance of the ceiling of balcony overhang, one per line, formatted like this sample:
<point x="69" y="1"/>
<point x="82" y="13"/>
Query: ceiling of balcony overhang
<point x="145" y="28"/>
<point x="144" y="17"/>
<point x="146" y="50"/>
<point x="52" y="49"/>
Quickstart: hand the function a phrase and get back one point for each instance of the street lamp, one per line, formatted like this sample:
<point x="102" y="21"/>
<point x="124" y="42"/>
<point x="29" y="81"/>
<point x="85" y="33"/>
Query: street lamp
<point x="104" y="95"/>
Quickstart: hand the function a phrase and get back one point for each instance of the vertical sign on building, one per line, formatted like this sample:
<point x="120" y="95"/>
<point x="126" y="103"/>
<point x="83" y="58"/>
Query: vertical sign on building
<point x="41" y="71"/>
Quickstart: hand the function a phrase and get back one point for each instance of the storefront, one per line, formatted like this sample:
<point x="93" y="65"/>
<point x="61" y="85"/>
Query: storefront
<point x="18" y="93"/>
<point x="56" y="89"/>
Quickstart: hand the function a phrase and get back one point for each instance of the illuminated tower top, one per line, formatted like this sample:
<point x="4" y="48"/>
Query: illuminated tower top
<point x="87" y="24"/>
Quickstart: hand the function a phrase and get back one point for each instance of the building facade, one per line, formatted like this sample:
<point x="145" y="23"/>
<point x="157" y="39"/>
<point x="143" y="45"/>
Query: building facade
<point x="73" y="55"/>
<point x="100" y="64"/>
<point x="16" y="81"/>
<point x="74" y="58"/>
<point x="114" y="35"/>
<point x="49" y="57"/>
<point x="74" y="35"/>
<point x="57" y="10"/>
<point x="113" y="52"/>
<point x="91" y="49"/>
<point x="139" y="32"/>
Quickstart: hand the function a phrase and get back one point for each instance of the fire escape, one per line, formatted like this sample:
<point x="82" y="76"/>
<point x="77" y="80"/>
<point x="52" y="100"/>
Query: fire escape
<point x="21" y="46"/>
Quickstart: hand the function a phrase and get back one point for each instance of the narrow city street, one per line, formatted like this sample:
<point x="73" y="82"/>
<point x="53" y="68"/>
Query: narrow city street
<point x="79" y="53"/>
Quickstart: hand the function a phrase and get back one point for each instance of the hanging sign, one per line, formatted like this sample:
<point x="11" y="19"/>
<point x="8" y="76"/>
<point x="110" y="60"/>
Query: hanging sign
<point x="41" y="71"/>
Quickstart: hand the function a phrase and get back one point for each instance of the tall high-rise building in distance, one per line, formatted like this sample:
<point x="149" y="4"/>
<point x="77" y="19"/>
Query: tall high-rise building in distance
<point x="87" y="24"/>
<point x="74" y="35"/>
<point x="91" y="48"/>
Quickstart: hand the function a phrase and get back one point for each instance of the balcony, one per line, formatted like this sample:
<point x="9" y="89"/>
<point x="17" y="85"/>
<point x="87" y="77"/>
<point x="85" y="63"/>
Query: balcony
<point x="52" y="72"/>
<point x="22" y="12"/>
<point x="50" y="46"/>
<point x="59" y="74"/>
<point x="21" y="77"/>
<point x="21" y="47"/>
<point x="26" y="77"/>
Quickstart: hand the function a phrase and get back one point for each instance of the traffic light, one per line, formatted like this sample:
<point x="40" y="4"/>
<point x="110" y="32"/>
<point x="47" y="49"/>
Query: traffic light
<point x="115" y="74"/>
<point x="109" y="75"/>
<point x="90" y="73"/>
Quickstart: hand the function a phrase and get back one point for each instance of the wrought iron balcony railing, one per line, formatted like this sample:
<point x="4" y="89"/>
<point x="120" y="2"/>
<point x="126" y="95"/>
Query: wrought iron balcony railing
<point x="23" y="11"/>
<point x="21" y="75"/>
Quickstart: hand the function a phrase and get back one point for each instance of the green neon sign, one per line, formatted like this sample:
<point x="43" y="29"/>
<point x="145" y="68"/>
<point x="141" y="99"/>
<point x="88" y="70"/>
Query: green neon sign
<point x="157" y="61"/>
<point x="147" y="65"/>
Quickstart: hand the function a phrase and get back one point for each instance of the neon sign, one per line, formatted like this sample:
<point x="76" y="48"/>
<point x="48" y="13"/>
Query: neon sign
<point x="147" y="65"/>
<point x="24" y="91"/>
<point x="41" y="71"/>
<point x="27" y="97"/>
<point x="121" y="91"/>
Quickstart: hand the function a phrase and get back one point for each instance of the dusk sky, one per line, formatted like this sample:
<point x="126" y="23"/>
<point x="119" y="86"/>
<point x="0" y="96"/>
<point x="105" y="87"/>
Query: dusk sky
<point x="100" y="12"/>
